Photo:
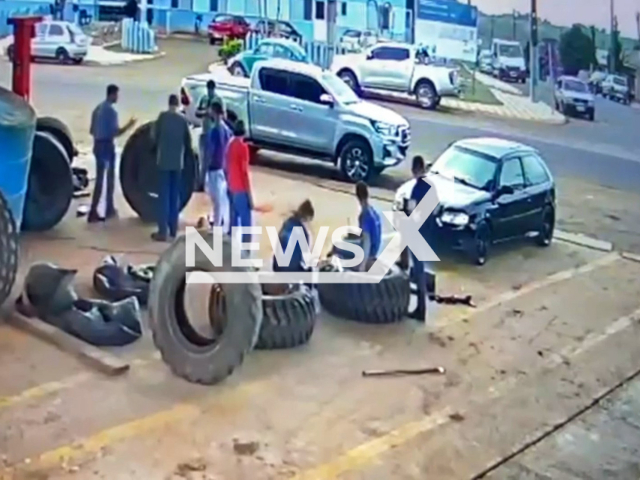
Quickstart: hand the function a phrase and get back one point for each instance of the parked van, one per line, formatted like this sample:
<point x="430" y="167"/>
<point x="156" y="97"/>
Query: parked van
<point x="508" y="61"/>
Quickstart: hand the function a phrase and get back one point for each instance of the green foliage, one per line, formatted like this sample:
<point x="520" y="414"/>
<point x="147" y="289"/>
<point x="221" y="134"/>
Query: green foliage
<point x="230" y="48"/>
<point x="577" y="51"/>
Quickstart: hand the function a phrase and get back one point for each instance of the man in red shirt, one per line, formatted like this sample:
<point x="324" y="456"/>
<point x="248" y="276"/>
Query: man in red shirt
<point x="238" y="180"/>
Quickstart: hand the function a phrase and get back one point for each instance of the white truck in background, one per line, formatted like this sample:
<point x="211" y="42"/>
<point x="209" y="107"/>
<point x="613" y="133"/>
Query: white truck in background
<point x="397" y="68"/>
<point x="508" y="61"/>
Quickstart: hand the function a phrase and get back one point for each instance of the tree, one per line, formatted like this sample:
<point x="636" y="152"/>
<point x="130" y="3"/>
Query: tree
<point x="577" y="51"/>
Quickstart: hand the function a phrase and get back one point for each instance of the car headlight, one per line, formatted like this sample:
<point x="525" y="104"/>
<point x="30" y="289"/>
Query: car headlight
<point x="458" y="219"/>
<point x="385" y="129"/>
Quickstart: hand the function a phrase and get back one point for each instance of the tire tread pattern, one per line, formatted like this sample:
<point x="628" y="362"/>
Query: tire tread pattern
<point x="8" y="250"/>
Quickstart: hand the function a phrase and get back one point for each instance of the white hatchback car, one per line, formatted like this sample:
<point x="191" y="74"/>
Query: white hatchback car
<point x="61" y="41"/>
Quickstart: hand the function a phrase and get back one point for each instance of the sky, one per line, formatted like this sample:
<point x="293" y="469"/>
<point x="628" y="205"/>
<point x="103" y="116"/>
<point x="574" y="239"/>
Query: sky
<point x="568" y="12"/>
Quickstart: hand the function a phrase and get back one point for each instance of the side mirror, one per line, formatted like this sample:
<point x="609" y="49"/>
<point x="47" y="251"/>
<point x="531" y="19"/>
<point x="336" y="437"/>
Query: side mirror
<point x="505" y="190"/>
<point x="369" y="56"/>
<point x="326" y="99"/>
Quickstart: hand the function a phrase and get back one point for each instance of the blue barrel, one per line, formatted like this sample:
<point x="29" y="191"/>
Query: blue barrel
<point x="17" y="129"/>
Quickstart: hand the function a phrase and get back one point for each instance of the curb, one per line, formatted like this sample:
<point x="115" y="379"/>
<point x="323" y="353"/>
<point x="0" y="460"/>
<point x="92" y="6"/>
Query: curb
<point x="584" y="241"/>
<point x="146" y="58"/>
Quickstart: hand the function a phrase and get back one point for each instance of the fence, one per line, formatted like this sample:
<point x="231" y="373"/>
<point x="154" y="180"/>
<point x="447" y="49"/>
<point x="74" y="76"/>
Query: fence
<point x="137" y="37"/>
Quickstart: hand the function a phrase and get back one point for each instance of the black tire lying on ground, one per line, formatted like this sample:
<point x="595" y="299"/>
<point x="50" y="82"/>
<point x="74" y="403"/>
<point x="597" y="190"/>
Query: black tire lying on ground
<point x="189" y="354"/>
<point x="8" y="250"/>
<point x="139" y="174"/>
<point x="50" y="188"/>
<point x="289" y="319"/>
<point x="383" y="302"/>
<point x="60" y="131"/>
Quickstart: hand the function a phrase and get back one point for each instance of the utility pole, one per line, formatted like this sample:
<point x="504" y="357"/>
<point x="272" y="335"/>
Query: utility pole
<point x="533" y="51"/>
<point x="612" y="39"/>
<point x="514" y="25"/>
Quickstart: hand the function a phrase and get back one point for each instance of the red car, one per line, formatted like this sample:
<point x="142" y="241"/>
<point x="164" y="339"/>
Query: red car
<point x="228" y="26"/>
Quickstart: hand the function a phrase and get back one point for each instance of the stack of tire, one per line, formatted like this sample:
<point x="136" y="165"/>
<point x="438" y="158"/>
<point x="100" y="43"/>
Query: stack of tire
<point x="50" y="185"/>
<point x="242" y="317"/>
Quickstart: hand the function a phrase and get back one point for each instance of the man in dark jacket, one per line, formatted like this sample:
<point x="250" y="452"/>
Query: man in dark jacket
<point x="173" y="140"/>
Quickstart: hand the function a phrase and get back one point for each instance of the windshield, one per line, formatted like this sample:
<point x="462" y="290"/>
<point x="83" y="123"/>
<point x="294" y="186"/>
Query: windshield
<point x="575" y="86"/>
<point x="338" y="89"/>
<point x="510" y="51"/>
<point x="620" y="81"/>
<point x="466" y="167"/>
<point x="352" y="33"/>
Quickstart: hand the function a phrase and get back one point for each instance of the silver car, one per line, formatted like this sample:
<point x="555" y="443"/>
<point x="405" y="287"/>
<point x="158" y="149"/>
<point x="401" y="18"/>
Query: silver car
<point x="573" y="96"/>
<point x="57" y="40"/>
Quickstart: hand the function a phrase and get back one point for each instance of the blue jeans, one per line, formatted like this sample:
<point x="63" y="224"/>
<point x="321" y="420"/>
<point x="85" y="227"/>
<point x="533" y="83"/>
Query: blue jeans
<point x="240" y="213"/>
<point x="169" y="202"/>
<point x="419" y="277"/>
<point x="105" y="153"/>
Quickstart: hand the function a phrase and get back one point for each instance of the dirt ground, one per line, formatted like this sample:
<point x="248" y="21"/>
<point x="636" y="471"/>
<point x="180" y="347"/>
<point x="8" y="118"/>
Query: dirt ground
<point x="553" y="329"/>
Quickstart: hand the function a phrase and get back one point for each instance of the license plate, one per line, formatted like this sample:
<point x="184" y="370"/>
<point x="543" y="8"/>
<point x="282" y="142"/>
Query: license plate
<point x="580" y="108"/>
<point x="513" y="74"/>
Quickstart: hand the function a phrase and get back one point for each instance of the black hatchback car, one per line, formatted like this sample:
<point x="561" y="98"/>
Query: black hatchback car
<point x="490" y="190"/>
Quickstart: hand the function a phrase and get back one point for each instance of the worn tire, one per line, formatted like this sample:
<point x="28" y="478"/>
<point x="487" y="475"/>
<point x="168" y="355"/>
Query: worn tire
<point x="288" y="319"/>
<point x="8" y="250"/>
<point x="376" y="303"/>
<point x="187" y="356"/>
<point x="139" y="174"/>
<point x="348" y="77"/>
<point x="50" y="188"/>
<point x="427" y="95"/>
<point x="60" y="131"/>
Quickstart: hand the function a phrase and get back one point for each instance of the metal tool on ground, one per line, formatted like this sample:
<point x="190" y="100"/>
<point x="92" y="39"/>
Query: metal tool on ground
<point x="454" y="300"/>
<point x="402" y="372"/>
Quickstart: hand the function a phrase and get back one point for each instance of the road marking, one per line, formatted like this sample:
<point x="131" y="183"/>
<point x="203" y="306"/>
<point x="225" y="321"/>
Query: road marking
<point x="529" y="288"/>
<point x="366" y="453"/>
<point x="49" y="388"/>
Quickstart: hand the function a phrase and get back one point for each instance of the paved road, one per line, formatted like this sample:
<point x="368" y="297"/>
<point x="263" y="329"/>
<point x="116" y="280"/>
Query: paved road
<point x="598" y="163"/>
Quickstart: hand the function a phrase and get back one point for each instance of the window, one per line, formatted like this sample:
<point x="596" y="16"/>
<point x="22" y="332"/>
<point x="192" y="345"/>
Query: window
<point x="305" y="88"/>
<point x="41" y="29"/>
<point x="320" y="14"/>
<point x="174" y="3"/>
<point x="55" y="30"/>
<point x="512" y="175"/>
<point x="266" y="49"/>
<point x="391" y="53"/>
<point x="308" y="10"/>
<point x="274" y="81"/>
<point x="466" y="166"/>
<point x="534" y="170"/>
<point x="576" y="86"/>
<point x="343" y="9"/>
<point x="213" y="5"/>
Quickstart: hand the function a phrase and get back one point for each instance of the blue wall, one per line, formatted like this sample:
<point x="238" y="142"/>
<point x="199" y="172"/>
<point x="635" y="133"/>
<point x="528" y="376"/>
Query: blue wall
<point x="12" y="8"/>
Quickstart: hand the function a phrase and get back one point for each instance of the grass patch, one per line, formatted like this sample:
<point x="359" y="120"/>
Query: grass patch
<point x="475" y="92"/>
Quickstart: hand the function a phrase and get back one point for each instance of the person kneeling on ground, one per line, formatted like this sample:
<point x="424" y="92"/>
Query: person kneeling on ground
<point x="369" y="223"/>
<point x="300" y="218"/>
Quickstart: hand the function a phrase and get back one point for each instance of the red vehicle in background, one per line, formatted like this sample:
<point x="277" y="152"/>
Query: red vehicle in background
<point x="227" y="26"/>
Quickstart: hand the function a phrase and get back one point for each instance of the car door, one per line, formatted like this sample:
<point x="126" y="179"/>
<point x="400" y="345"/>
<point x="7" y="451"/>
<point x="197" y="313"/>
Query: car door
<point x="399" y="68"/>
<point x="39" y="41"/>
<point x="538" y="186"/>
<point x="314" y="123"/>
<point x="372" y="68"/>
<point x="271" y="118"/>
<point x="55" y="38"/>
<point x="512" y="208"/>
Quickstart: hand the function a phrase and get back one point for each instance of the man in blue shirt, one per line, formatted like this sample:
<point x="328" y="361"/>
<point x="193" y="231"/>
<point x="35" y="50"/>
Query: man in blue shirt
<point x="216" y="148"/>
<point x="300" y="218"/>
<point x="369" y="223"/>
<point x="418" y="274"/>
<point x="104" y="130"/>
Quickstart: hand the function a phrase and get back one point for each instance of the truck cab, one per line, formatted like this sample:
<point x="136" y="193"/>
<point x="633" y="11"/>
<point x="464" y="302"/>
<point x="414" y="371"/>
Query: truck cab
<point x="508" y="61"/>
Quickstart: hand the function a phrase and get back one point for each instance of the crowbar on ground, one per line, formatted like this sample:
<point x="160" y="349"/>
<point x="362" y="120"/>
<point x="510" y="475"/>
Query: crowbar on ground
<point x="416" y="371"/>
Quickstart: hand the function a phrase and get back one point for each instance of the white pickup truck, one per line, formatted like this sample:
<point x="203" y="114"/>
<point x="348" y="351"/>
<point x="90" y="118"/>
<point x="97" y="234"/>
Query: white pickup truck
<point x="397" y="68"/>
<point x="300" y="109"/>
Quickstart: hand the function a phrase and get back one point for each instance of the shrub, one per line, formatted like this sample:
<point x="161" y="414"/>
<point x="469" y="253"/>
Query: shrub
<point x="230" y="48"/>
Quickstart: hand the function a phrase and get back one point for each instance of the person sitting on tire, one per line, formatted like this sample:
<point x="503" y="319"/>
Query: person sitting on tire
<point x="369" y="223"/>
<point x="299" y="219"/>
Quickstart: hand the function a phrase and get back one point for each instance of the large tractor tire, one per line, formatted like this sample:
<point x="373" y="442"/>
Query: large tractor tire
<point x="50" y="188"/>
<point x="8" y="250"/>
<point x="189" y="354"/>
<point x="139" y="174"/>
<point x="60" y="131"/>
<point x="289" y="318"/>
<point x="379" y="303"/>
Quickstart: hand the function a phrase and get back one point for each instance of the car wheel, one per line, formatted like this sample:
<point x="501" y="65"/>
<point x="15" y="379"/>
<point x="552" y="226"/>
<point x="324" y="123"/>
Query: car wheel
<point x="237" y="70"/>
<point x="212" y="41"/>
<point x="350" y="79"/>
<point x="545" y="232"/>
<point x="62" y="56"/>
<point x="426" y="95"/>
<point x="481" y="244"/>
<point x="591" y="116"/>
<point x="10" y="52"/>
<point x="356" y="161"/>
<point x="78" y="61"/>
